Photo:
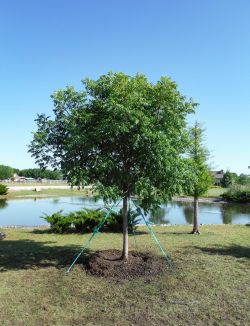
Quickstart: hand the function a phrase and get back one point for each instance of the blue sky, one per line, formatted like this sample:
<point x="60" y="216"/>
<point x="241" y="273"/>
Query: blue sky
<point x="203" y="45"/>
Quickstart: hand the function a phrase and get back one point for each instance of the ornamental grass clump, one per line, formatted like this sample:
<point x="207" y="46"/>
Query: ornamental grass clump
<point x="86" y="220"/>
<point x="59" y="223"/>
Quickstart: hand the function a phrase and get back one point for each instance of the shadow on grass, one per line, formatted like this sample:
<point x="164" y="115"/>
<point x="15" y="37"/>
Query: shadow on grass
<point x="28" y="254"/>
<point x="233" y="250"/>
<point x="175" y="233"/>
<point x="73" y="231"/>
<point x="49" y="231"/>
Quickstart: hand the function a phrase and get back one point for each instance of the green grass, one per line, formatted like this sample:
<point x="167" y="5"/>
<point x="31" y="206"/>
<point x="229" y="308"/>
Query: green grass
<point x="44" y="193"/>
<point x="215" y="192"/>
<point x="210" y="285"/>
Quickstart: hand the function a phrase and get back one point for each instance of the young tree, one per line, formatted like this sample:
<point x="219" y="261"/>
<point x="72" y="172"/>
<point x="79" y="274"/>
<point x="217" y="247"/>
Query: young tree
<point x="202" y="179"/>
<point x="122" y="134"/>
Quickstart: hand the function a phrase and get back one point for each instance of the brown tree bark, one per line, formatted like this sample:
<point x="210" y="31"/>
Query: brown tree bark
<point x="196" y="225"/>
<point x="125" y="229"/>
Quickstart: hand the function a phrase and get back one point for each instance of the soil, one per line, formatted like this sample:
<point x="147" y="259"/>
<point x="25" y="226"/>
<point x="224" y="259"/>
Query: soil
<point x="108" y="264"/>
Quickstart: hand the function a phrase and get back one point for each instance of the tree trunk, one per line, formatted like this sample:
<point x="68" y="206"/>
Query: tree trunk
<point x="196" y="225"/>
<point x="125" y="229"/>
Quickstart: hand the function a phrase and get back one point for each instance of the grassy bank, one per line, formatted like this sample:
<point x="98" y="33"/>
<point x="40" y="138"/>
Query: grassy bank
<point x="44" y="193"/>
<point x="213" y="192"/>
<point x="210" y="286"/>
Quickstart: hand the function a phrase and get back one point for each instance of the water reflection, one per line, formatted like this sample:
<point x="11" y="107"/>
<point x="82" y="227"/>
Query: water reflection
<point x="159" y="216"/>
<point x="3" y="203"/>
<point x="188" y="211"/>
<point x="27" y="212"/>
<point x="231" y="212"/>
<point x="209" y="213"/>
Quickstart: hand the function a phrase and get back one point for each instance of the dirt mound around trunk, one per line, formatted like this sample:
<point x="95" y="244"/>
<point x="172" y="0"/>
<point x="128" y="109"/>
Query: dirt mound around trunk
<point x="108" y="263"/>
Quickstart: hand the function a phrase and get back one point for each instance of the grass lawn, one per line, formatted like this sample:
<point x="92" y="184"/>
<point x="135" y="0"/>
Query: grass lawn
<point x="44" y="193"/>
<point x="211" y="285"/>
<point x="215" y="192"/>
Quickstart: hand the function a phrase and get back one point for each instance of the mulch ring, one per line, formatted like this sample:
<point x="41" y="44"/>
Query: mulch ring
<point x="108" y="264"/>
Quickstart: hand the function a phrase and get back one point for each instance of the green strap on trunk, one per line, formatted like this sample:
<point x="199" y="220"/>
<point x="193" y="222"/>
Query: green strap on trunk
<point x="166" y="256"/>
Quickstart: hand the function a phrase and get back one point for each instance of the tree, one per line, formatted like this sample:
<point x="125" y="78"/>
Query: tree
<point x="6" y="172"/>
<point x="122" y="134"/>
<point x="229" y="179"/>
<point x="243" y="179"/>
<point x="202" y="178"/>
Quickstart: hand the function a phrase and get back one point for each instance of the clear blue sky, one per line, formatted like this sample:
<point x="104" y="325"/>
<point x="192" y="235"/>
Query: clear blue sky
<point x="203" y="45"/>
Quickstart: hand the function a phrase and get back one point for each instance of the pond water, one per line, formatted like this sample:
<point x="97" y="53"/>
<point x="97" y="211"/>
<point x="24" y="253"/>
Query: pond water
<point x="28" y="212"/>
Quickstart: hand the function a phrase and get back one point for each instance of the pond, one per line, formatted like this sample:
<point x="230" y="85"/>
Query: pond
<point x="28" y="212"/>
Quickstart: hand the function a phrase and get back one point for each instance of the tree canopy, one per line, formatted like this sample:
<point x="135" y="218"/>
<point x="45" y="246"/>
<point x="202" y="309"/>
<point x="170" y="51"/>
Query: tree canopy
<point x="202" y="178"/>
<point x="198" y="155"/>
<point x="6" y="172"/>
<point x="123" y="134"/>
<point x="229" y="179"/>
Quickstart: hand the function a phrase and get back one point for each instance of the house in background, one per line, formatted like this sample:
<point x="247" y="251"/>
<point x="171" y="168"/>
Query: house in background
<point x="17" y="178"/>
<point x="218" y="176"/>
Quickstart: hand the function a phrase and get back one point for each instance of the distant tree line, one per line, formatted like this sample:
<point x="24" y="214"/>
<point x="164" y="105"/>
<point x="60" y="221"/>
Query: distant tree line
<point x="38" y="173"/>
<point x="7" y="172"/>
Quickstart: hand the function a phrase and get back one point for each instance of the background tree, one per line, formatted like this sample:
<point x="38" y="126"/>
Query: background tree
<point x="6" y="172"/>
<point x="243" y="179"/>
<point x="202" y="178"/>
<point x="122" y="134"/>
<point x="229" y="179"/>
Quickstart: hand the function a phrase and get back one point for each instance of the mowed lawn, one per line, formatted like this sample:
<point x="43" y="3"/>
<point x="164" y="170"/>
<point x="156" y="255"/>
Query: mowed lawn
<point x="44" y="193"/>
<point x="210" y="286"/>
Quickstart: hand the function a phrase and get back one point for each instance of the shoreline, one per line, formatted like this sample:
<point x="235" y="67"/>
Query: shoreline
<point x="200" y="200"/>
<point x="47" y="227"/>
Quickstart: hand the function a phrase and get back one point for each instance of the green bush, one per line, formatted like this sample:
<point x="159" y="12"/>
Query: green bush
<point x="59" y="223"/>
<point x="3" y="189"/>
<point x="115" y="221"/>
<point x="237" y="195"/>
<point x="86" y="220"/>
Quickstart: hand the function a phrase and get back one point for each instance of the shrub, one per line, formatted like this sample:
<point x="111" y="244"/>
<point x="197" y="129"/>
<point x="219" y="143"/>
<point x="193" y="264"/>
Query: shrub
<point x="3" y="189"/>
<point x="86" y="220"/>
<point x="115" y="221"/>
<point x="237" y="195"/>
<point x="59" y="223"/>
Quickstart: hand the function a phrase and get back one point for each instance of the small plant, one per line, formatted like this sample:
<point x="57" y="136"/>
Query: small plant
<point x="3" y="190"/>
<point x="114" y="222"/>
<point x="59" y="223"/>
